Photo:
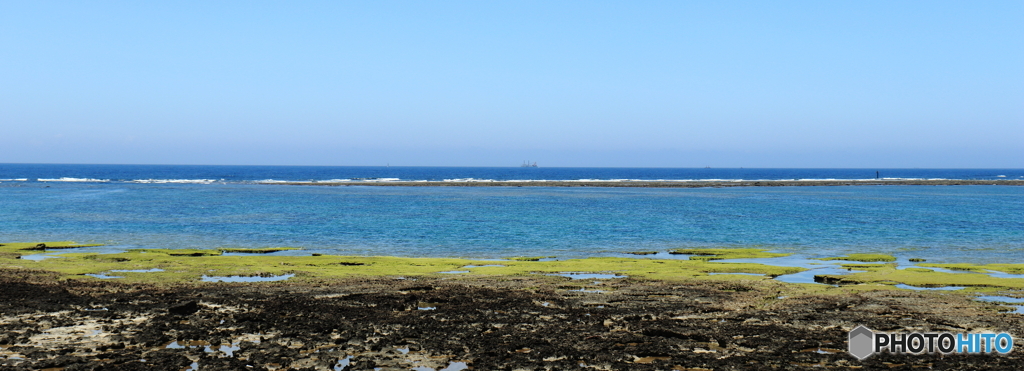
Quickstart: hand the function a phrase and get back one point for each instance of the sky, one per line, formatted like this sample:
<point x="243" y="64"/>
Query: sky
<point x="872" y="84"/>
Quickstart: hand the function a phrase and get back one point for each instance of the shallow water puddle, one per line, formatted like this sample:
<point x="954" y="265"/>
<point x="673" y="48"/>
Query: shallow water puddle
<point x="103" y="276"/>
<point x="944" y="288"/>
<point x="453" y="272"/>
<point x="453" y="366"/>
<point x="807" y="276"/>
<point x="38" y="257"/>
<point x="343" y="363"/>
<point x="587" y="276"/>
<point x="188" y="343"/>
<point x="229" y="351"/>
<point x="1005" y="300"/>
<point x="282" y="277"/>
<point x="998" y="274"/>
<point x="942" y="270"/>
<point x="990" y="273"/>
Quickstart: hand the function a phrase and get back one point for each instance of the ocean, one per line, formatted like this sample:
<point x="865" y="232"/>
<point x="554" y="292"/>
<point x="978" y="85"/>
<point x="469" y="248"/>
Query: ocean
<point x="167" y="206"/>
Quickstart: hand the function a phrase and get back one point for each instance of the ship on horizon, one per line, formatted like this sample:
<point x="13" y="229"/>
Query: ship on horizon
<point x="528" y="164"/>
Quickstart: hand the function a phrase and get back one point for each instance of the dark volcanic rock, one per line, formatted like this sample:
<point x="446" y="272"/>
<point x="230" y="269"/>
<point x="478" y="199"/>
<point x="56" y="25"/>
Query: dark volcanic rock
<point x="184" y="309"/>
<point x="487" y="323"/>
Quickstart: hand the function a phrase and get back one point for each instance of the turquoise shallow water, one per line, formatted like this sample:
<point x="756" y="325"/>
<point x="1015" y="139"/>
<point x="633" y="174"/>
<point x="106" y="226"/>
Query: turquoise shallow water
<point x="983" y="224"/>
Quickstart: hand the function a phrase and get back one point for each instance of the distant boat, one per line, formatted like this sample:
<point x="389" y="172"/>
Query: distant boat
<point x="528" y="164"/>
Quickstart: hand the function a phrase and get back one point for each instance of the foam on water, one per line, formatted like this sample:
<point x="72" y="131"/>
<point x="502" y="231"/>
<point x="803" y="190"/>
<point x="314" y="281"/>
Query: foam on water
<point x="173" y="181"/>
<point x="76" y="180"/>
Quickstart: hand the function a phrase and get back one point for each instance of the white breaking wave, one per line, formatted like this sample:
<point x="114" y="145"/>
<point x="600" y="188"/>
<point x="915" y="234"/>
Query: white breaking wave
<point x="81" y="180"/>
<point x="180" y="181"/>
<point x="273" y="181"/>
<point x="14" y="180"/>
<point x="355" y="179"/>
<point x="474" y="180"/>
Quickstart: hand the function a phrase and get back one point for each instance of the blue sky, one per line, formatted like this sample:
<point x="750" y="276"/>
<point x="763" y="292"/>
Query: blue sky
<point x="572" y="83"/>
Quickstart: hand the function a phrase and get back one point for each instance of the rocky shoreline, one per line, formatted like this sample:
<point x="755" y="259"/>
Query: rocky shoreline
<point x="479" y="323"/>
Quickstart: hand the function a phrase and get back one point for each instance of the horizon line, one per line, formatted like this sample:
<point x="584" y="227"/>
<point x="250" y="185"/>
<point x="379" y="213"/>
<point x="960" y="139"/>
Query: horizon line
<point x="516" y="166"/>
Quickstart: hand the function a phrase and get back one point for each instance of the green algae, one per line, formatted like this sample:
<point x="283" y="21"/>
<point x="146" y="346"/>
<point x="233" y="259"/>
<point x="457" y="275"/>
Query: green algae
<point x="868" y="267"/>
<point x="864" y="258"/>
<point x="181" y="252"/>
<point x="914" y="269"/>
<point x="190" y="265"/>
<point x="980" y="268"/>
<point x="528" y="258"/>
<point x="1006" y="268"/>
<point x="726" y="253"/>
<point x="185" y="266"/>
<point x="42" y="246"/>
<point x="921" y="277"/>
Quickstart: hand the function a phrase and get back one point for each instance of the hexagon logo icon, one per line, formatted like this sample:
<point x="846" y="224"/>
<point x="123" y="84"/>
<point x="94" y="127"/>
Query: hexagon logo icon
<point x="861" y="342"/>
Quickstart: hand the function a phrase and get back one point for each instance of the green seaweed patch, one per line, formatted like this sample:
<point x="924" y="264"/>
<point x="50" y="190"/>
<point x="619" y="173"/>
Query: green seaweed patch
<point x="181" y="252"/>
<point x="706" y="254"/>
<point x="864" y="258"/>
<point x="728" y="276"/>
<point x="105" y="258"/>
<point x="42" y="246"/>
<point x="1006" y="268"/>
<point x="867" y="267"/>
<point x="265" y="250"/>
<point x="966" y="267"/>
<point x="181" y="266"/>
<point x="923" y="278"/>
<point x="980" y="268"/>
<point x="528" y="258"/>
<point x="915" y="269"/>
<point x="754" y="268"/>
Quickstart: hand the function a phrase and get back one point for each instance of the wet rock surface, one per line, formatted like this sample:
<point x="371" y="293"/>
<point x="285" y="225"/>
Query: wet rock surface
<point x="508" y="323"/>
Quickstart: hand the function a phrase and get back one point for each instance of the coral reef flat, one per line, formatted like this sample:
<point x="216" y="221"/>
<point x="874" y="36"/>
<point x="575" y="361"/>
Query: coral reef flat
<point x="206" y="310"/>
<point x="486" y="323"/>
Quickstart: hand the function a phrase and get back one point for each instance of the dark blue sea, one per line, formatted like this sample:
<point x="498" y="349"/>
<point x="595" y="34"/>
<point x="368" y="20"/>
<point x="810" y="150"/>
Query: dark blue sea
<point x="166" y="206"/>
